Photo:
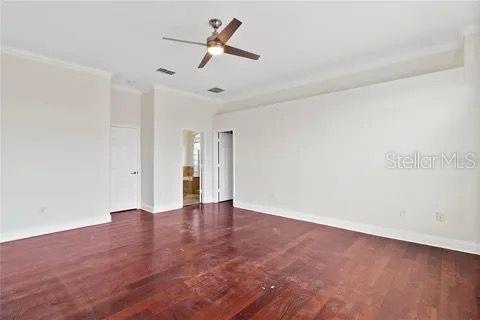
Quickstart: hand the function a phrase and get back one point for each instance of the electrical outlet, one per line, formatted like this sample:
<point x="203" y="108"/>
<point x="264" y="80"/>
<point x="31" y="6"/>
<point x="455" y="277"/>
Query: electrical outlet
<point x="42" y="210"/>
<point x="403" y="213"/>
<point x="439" y="216"/>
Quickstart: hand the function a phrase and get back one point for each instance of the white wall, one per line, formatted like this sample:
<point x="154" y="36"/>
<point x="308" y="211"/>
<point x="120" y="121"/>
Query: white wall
<point x="174" y="112"/>
<point x="125" y="109"/>
<point x="323" y="159"/>
<point x="55" y="141"/>
<point x="187" y="148"/>
<point x="147" y="145"/>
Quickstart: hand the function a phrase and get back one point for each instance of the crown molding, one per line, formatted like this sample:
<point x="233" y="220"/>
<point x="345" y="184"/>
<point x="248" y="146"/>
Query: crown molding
<point x="55" y="62"/>
<point x="186" y="93"/>
<point x="343" y="71"/>
<point x="128" y="89"/>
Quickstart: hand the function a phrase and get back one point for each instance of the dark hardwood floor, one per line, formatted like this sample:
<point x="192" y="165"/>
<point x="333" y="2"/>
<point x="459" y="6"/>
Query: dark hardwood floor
<point x="217" y="262"/>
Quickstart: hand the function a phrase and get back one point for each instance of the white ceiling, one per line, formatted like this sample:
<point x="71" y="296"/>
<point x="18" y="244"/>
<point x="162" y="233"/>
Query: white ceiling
<point x="295" y="40"/>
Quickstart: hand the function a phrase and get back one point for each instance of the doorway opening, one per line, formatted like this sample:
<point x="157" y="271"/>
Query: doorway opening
<point x="192" y="167"/>
<point x="225" y="166"/>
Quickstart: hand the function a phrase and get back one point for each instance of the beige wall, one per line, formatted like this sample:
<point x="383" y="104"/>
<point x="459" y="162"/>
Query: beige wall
<point x="55" y="147"/>
<point x="323" y="159"/>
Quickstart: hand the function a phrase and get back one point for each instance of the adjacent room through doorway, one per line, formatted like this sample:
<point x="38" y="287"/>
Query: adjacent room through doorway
<point x="192" y="167"/>
<point x="225" y="166"/>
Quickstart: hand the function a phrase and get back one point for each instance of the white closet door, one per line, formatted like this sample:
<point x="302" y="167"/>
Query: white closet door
<point x="124" y="169"/>
<point x="225" y="169"/>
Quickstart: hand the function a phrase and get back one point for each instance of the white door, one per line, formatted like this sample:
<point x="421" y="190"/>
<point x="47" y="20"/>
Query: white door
<point x="123" y="169"/>
<point x="225" y="166"/>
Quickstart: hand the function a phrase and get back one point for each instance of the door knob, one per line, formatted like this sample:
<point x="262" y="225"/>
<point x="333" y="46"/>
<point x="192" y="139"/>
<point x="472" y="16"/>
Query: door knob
<point x="134" y="172"/>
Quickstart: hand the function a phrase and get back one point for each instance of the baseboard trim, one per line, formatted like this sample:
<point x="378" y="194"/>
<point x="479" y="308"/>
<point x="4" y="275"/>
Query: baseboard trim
<point x="160" y="209"/>
<point x="38" y="231"/>
<point x="431" y="240"/>
<point x="147" y="208"/>
<point x="168" y="207"/>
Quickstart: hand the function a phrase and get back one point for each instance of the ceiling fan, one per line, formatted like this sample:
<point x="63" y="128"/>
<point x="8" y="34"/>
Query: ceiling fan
<point x="217" y="43"/>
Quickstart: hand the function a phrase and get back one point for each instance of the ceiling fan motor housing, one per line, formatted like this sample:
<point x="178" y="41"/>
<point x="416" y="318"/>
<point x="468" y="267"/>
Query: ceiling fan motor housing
<point x="215" y="23"/>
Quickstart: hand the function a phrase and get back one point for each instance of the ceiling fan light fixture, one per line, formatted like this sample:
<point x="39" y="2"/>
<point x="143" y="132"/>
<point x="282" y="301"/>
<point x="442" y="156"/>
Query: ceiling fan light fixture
<point x="215" y="49"/>
<point x="217" y="43"/>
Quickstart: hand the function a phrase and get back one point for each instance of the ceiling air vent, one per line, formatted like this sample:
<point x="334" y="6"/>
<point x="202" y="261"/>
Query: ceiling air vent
<point x="216" y="90"/>
<point x="169" y="72"/>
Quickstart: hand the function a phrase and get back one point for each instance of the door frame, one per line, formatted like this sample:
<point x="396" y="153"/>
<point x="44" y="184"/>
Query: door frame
<point x="202" y="164"/>
<point x="217" y="159"/>
<point x="139" y="163"/>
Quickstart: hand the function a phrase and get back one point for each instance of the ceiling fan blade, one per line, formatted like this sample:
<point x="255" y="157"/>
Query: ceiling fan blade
<point x="185" y="41"/>
<point x="205" y="60"/>
<point x="240" y="52"/>
<point x="227" y="32"/>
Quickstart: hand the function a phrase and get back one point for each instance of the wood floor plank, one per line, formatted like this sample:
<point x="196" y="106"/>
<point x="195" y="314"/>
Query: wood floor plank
<point x="215" y="261"/>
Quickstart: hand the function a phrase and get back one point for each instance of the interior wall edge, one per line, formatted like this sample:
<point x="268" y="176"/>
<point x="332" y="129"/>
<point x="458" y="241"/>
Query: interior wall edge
<point x="119" y="87"/>
<point x="404" y="235"/>
<point x="147" y="207"/>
